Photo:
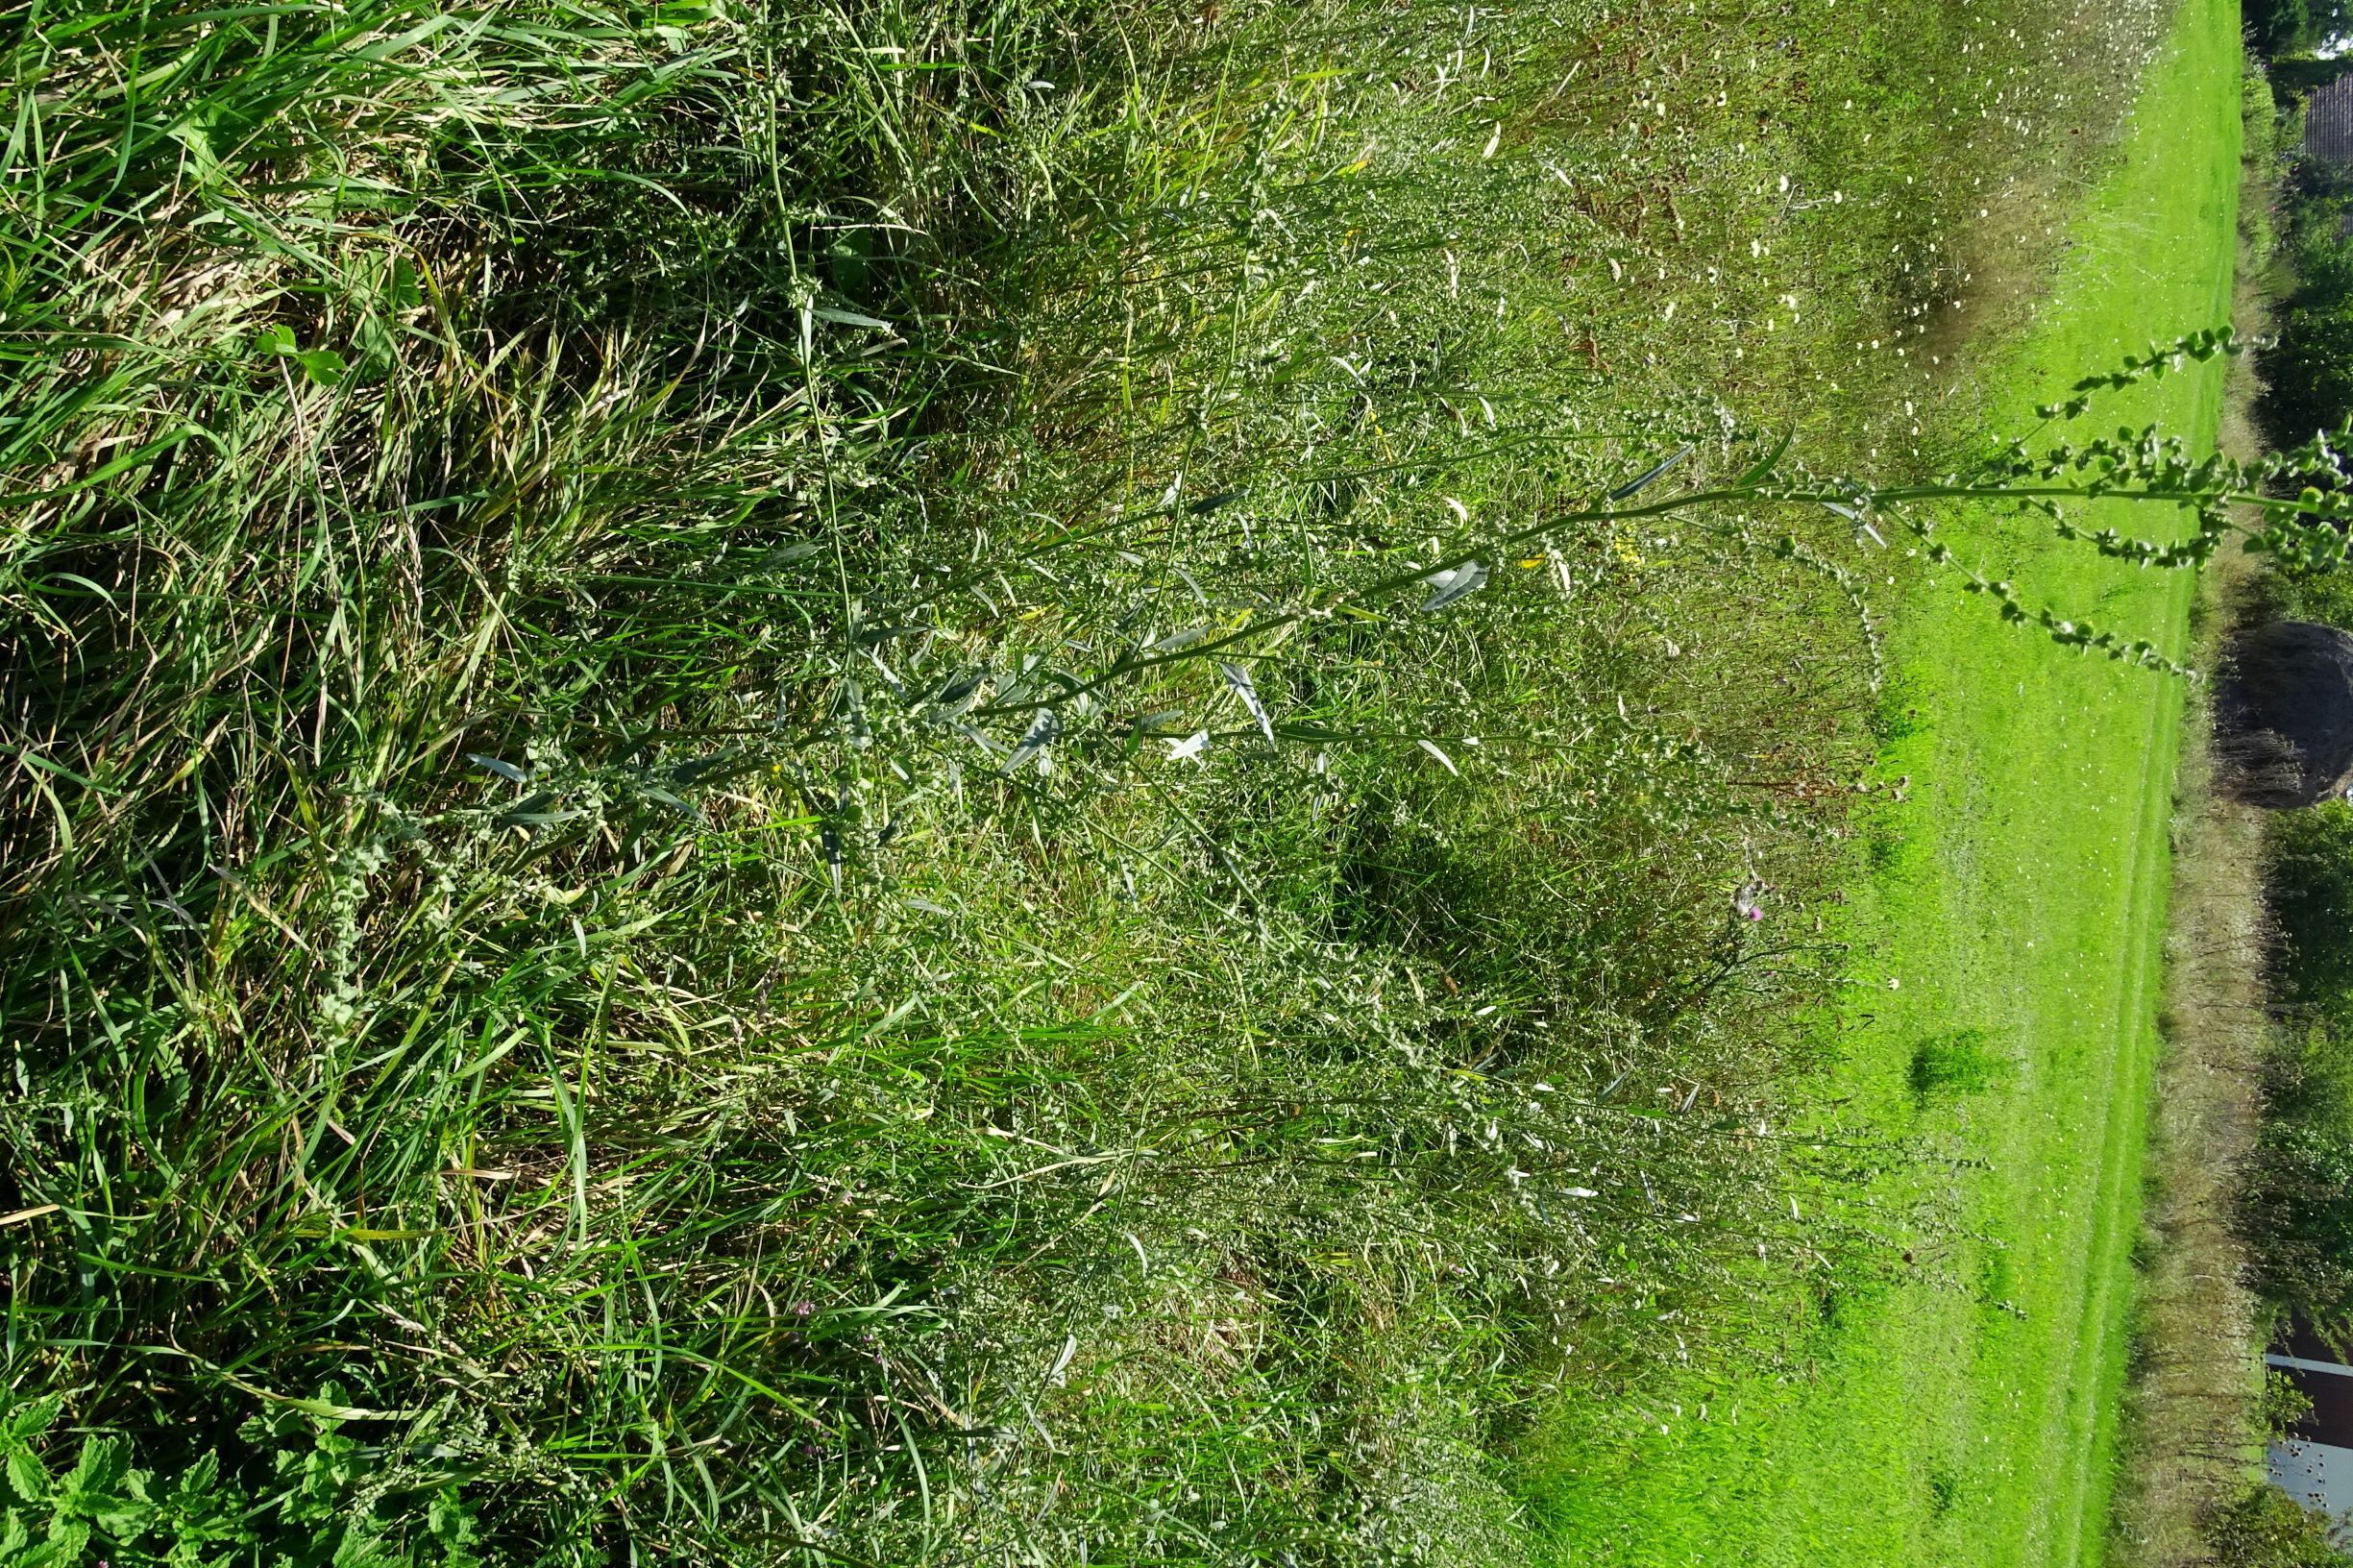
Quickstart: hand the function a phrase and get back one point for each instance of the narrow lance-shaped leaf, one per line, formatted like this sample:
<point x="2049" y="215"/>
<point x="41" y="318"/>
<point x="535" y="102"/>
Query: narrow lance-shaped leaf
<point x="505" y="770"/>
<point x="1448" y="586"/>
<point x="1762" y="469"/>
<point x="1239" y="679"/>
<point x="662" y="797"/>
<point x="848" y="318"/>
<point x="957" y="695"/>
<point x="1036" y="739"/>
<point x="1641" y="479"/>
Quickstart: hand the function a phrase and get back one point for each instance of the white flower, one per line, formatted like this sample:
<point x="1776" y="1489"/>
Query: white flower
<point x="1188" y="750"/>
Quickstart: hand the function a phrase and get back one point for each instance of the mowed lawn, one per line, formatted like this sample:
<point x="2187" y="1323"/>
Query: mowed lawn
<point x="2011" y="912"/>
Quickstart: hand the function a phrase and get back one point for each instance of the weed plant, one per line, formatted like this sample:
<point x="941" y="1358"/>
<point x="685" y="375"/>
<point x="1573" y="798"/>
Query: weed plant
<point x="891" y="784"/>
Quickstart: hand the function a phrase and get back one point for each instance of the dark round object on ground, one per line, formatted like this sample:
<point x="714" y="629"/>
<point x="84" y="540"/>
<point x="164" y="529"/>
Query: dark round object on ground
<point x="2286" y="713"/>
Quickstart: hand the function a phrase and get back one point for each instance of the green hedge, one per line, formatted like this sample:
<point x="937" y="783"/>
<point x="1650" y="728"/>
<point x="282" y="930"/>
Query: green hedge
<point x="2309" y="887"/>
<point x="2297" y="1207"/>
<point x="2266" y="1529"/>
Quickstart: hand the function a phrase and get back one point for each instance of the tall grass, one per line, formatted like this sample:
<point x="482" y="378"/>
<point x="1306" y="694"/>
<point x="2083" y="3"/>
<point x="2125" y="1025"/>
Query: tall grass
<point x="741" y="824"/>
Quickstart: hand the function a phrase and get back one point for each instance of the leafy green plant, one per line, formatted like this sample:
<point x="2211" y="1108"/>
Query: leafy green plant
<point x="2284" y="27"/>
<point x="315" y="1505"/>
<point x="2308" y="887"/>
<point x="2265" y="1528"/>
<point x="2297" y="1213"/>
<point x="2284" y="1403"/>
<point x="2298" y="1210"/>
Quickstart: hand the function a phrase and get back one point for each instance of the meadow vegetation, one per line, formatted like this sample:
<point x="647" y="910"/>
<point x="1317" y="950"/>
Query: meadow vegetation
<point x="2292" y="1211"/>
<point x="2253" y="1114"/>
<point x="1960" y="1406"/>
<point x="2197" y="1417"/>
<point x="773" y="793"/>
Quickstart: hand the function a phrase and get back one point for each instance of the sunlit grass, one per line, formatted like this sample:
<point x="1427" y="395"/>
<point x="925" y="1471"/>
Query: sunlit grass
<point x="543" y="905"/>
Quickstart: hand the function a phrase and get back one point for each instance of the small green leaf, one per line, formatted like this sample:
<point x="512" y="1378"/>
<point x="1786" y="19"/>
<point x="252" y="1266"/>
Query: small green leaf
<point x="98" y="1472"/>
<point x="542" y="818"/>
<point x="102" y="1487"/>
<point x="848" y="318"/>
<point x="665" y="797"/>
<point x="449" y="1521"/>
<point x="324" y="366"/>
<point x="499" y="766"/>
<point x="197" y="1480"/>
<point x="26" y="1477"/>
<point x="1762" y="469"/>
<point x="127" y="1515"/>
<point x="360" y="1548"/>
<point x="62" y="1549"/>
<point x="1656" y="471"/>
<point x="31" y="1420"/>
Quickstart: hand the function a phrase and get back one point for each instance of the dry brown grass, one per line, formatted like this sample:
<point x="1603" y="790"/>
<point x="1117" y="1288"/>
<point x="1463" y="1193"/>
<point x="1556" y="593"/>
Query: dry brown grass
<point x="2192" y="1415"/>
